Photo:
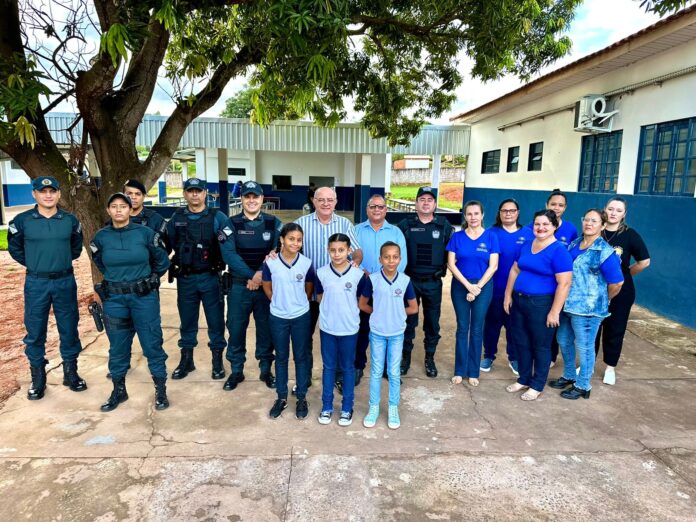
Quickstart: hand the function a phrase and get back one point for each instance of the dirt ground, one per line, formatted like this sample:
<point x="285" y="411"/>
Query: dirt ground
<point x="452" y="192"/>
<point x="12" y="359"/>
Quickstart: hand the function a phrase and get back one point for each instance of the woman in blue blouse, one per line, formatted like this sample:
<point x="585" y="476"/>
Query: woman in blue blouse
<point x="511" y="236"/>
<point x="472" y="259"/>
<point x="536" y="290"/>
<point x="597" y="278"/>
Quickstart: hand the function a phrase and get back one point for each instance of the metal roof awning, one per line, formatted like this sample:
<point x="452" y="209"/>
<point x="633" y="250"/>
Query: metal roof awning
<point x="285" y="136"/>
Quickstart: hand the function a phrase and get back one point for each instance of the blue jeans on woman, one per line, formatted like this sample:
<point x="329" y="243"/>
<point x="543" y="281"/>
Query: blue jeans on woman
<point x="496" y="318"/>
<point x="470" y="318"/>
<point x="389" y="348"/>
<point x="282" y="331"/>
<point x="576" y="334"/>
<point x="337" y="351"/>
<point x="528" y="324"/>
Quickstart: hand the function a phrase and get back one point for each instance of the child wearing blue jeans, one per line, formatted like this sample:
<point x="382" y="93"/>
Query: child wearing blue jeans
<point x="393" y="298"/>
<point x="339" y="322"/>
<point x="288" y="281"/>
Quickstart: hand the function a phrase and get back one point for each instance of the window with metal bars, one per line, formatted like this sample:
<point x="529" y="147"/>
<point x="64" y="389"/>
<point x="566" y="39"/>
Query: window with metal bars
<point x="490" y="163"/>
<point x="667" y="159"/>
<point x="599" y="167"/>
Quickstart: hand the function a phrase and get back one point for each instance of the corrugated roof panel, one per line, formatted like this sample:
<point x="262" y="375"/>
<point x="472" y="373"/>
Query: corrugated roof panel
<point x="284" y="136"/>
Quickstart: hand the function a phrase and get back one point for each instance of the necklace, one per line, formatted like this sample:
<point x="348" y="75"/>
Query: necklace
<point x="608" y="237"/>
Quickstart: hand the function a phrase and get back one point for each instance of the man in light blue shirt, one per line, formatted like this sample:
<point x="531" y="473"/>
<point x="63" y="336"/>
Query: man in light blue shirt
<point x="372" y="234"/>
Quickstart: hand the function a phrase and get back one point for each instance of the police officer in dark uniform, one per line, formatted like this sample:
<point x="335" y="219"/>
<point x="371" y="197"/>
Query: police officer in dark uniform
<point x="46" y="240"/>
<point x="245" y="241"/>
<point x="193" y="233"/>
<point x="426" y="237"/>
<point x="132" y="259"/>
<point x="141" y="215"/>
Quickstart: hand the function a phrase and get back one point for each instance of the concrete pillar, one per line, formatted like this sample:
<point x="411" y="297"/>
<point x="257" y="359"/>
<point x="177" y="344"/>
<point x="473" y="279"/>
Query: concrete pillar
<point x="363" y="178"/>
<point x="387" y="173"/>
<point x="435" y="174"/>
<point x="201" y="164"/>
<point x="185" y="169"/>
<point x="162" y="190"/>
<point x="224" y="195"/>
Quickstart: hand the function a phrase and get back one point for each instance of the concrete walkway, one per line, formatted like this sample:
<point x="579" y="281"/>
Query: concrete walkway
<point x="628" y="453"/>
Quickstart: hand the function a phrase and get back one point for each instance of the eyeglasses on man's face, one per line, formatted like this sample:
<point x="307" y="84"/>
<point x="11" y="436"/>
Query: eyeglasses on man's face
<point x="321" y="201"/>
<point x="377" y="207"/>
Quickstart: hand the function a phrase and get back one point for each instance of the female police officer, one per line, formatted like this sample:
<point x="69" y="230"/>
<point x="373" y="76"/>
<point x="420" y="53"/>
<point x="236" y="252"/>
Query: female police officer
<point x="132" y="260"/>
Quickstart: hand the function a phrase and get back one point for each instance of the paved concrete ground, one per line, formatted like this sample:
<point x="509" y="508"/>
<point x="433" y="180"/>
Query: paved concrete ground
<point x="628" y="453"/>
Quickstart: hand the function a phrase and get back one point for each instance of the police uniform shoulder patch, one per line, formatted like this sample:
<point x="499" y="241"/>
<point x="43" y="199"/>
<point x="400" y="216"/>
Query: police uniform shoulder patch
<point x="227" y="231"/>
<point x="156" y="239"/>
<point x="94" y="248"/>
<point x="221" y="237"/>
<point x="79" y="227"/>
<point x="12" y="228"/>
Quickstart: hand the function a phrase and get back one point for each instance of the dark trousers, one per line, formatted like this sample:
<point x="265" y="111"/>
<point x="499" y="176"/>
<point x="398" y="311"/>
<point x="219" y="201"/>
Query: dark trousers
<point x="363" y="333"/>
<point x="470" y="317"/>
<point x="429" y="295"/>
<point x="337" y="352"/>
<point x="528" y="323"/>
<point x="496" y="319"/>
<point x="192" y="290"/>
<point x="39" y="295"/>
<point x="613" y="328"/>
<point x="283" y="331"/>
<point x="128" y="314"/>
<point x="241" y="303"/>
<point x="314" y="319"/>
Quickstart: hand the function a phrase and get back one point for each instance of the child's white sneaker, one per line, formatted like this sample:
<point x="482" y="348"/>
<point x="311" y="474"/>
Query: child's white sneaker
<point x="346" y="418"/>
<point x="393" y="421"/>
<point x="325" y="417"/>
<point x="372" y="415"/>
<point x="609" y="376"/>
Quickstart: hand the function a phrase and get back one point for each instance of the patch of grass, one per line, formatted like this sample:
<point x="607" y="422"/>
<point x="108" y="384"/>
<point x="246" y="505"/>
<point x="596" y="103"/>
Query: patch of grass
<point x="3" y="239"/>
<point x="408" y="193"/>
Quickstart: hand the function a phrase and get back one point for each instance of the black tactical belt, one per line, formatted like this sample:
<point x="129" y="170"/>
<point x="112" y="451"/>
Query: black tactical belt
<point x="51" y="275"/>
<point x="423" y="279"/>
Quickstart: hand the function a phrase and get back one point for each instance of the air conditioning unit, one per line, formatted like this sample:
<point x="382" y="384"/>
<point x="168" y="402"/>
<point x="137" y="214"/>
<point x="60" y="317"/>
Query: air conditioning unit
<point x="591" y="115"/>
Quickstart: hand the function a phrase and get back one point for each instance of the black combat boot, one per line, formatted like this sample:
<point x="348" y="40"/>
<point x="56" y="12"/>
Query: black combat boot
<point x="71" y="378"/>
<point x="161" y="401"/>
<point x="38" y="382"/>
<point x="430" y="368"/>
<point x="405" y="362"/>
<point x="118" y="395"/>
<point x="186" y="364"/>
<point x="218" y="368"/>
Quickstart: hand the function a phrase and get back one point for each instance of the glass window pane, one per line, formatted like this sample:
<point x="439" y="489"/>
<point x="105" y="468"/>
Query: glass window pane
<point x="676" y="185"/>
<point x="690" y="185"/>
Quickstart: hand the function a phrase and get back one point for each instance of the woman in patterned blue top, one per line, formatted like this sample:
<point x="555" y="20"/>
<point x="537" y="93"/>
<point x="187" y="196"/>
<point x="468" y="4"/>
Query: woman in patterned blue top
<point x="597" y="278"/>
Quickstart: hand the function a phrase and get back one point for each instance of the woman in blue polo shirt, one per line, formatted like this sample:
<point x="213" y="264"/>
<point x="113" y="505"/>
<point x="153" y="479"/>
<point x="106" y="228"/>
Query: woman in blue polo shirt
<point x="511" y="236"/>
<point x="472" y="259"/>
<point x="597" y="278"/>
<point x="288" y="281"/>
<point x="536" y="290"/>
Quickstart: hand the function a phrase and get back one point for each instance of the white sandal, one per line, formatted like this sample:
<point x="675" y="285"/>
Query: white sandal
<point x="515" y="387"/>
<point x="530" y="395"/>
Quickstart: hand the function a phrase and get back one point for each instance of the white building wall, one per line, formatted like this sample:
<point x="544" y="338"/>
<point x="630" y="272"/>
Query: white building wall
<point x="378" y="170"/>
<point x="11" y="176"/>
<point x="672" y="100"/>
<point x="299" y="166"/>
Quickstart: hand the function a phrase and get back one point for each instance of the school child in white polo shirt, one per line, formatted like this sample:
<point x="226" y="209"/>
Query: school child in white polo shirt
<point x="339" y="322"/>
<point x="288" y="281"/>
<point x="393" y="298"/>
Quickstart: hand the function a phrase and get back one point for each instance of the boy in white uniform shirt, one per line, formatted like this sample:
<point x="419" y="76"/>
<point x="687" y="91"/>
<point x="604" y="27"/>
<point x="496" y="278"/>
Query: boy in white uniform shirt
<point x="339" y="322"/>
<point x="393" y="299"/>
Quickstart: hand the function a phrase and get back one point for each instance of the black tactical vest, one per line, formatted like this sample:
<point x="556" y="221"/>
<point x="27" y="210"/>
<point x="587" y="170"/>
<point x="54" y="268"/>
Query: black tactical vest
<point x="253" y="243"/>
<point x="425" y="244"/>
<point x="196" y="246"/>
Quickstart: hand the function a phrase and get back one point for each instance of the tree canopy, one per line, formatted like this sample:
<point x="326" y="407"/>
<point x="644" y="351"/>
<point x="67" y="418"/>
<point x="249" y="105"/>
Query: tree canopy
<point x="240" y="105"/>
<point x="396" y="61"/>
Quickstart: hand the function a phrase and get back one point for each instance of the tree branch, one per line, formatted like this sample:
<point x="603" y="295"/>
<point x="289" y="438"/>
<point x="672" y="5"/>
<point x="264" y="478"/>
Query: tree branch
<point x="57" y="101"/>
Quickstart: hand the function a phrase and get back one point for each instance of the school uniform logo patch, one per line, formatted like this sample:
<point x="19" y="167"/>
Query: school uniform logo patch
<point x="266" y="236"/>
<point x="299" y="277"/>
<point x="398" y="291"/>
<point x="482" y="247"/>
<point x="436" y="234"/>
<point x="349" y="285"/>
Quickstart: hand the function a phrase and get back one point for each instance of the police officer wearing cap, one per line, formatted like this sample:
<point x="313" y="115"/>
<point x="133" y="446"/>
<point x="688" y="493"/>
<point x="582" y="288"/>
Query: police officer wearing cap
<point x="193" y="233"/>
<point x="426" y="237"/>
<point x="46" y="240"/>
<point x="132" y="259"/>
<point x="245" y="241"/>
<point x="141" y="215"/>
